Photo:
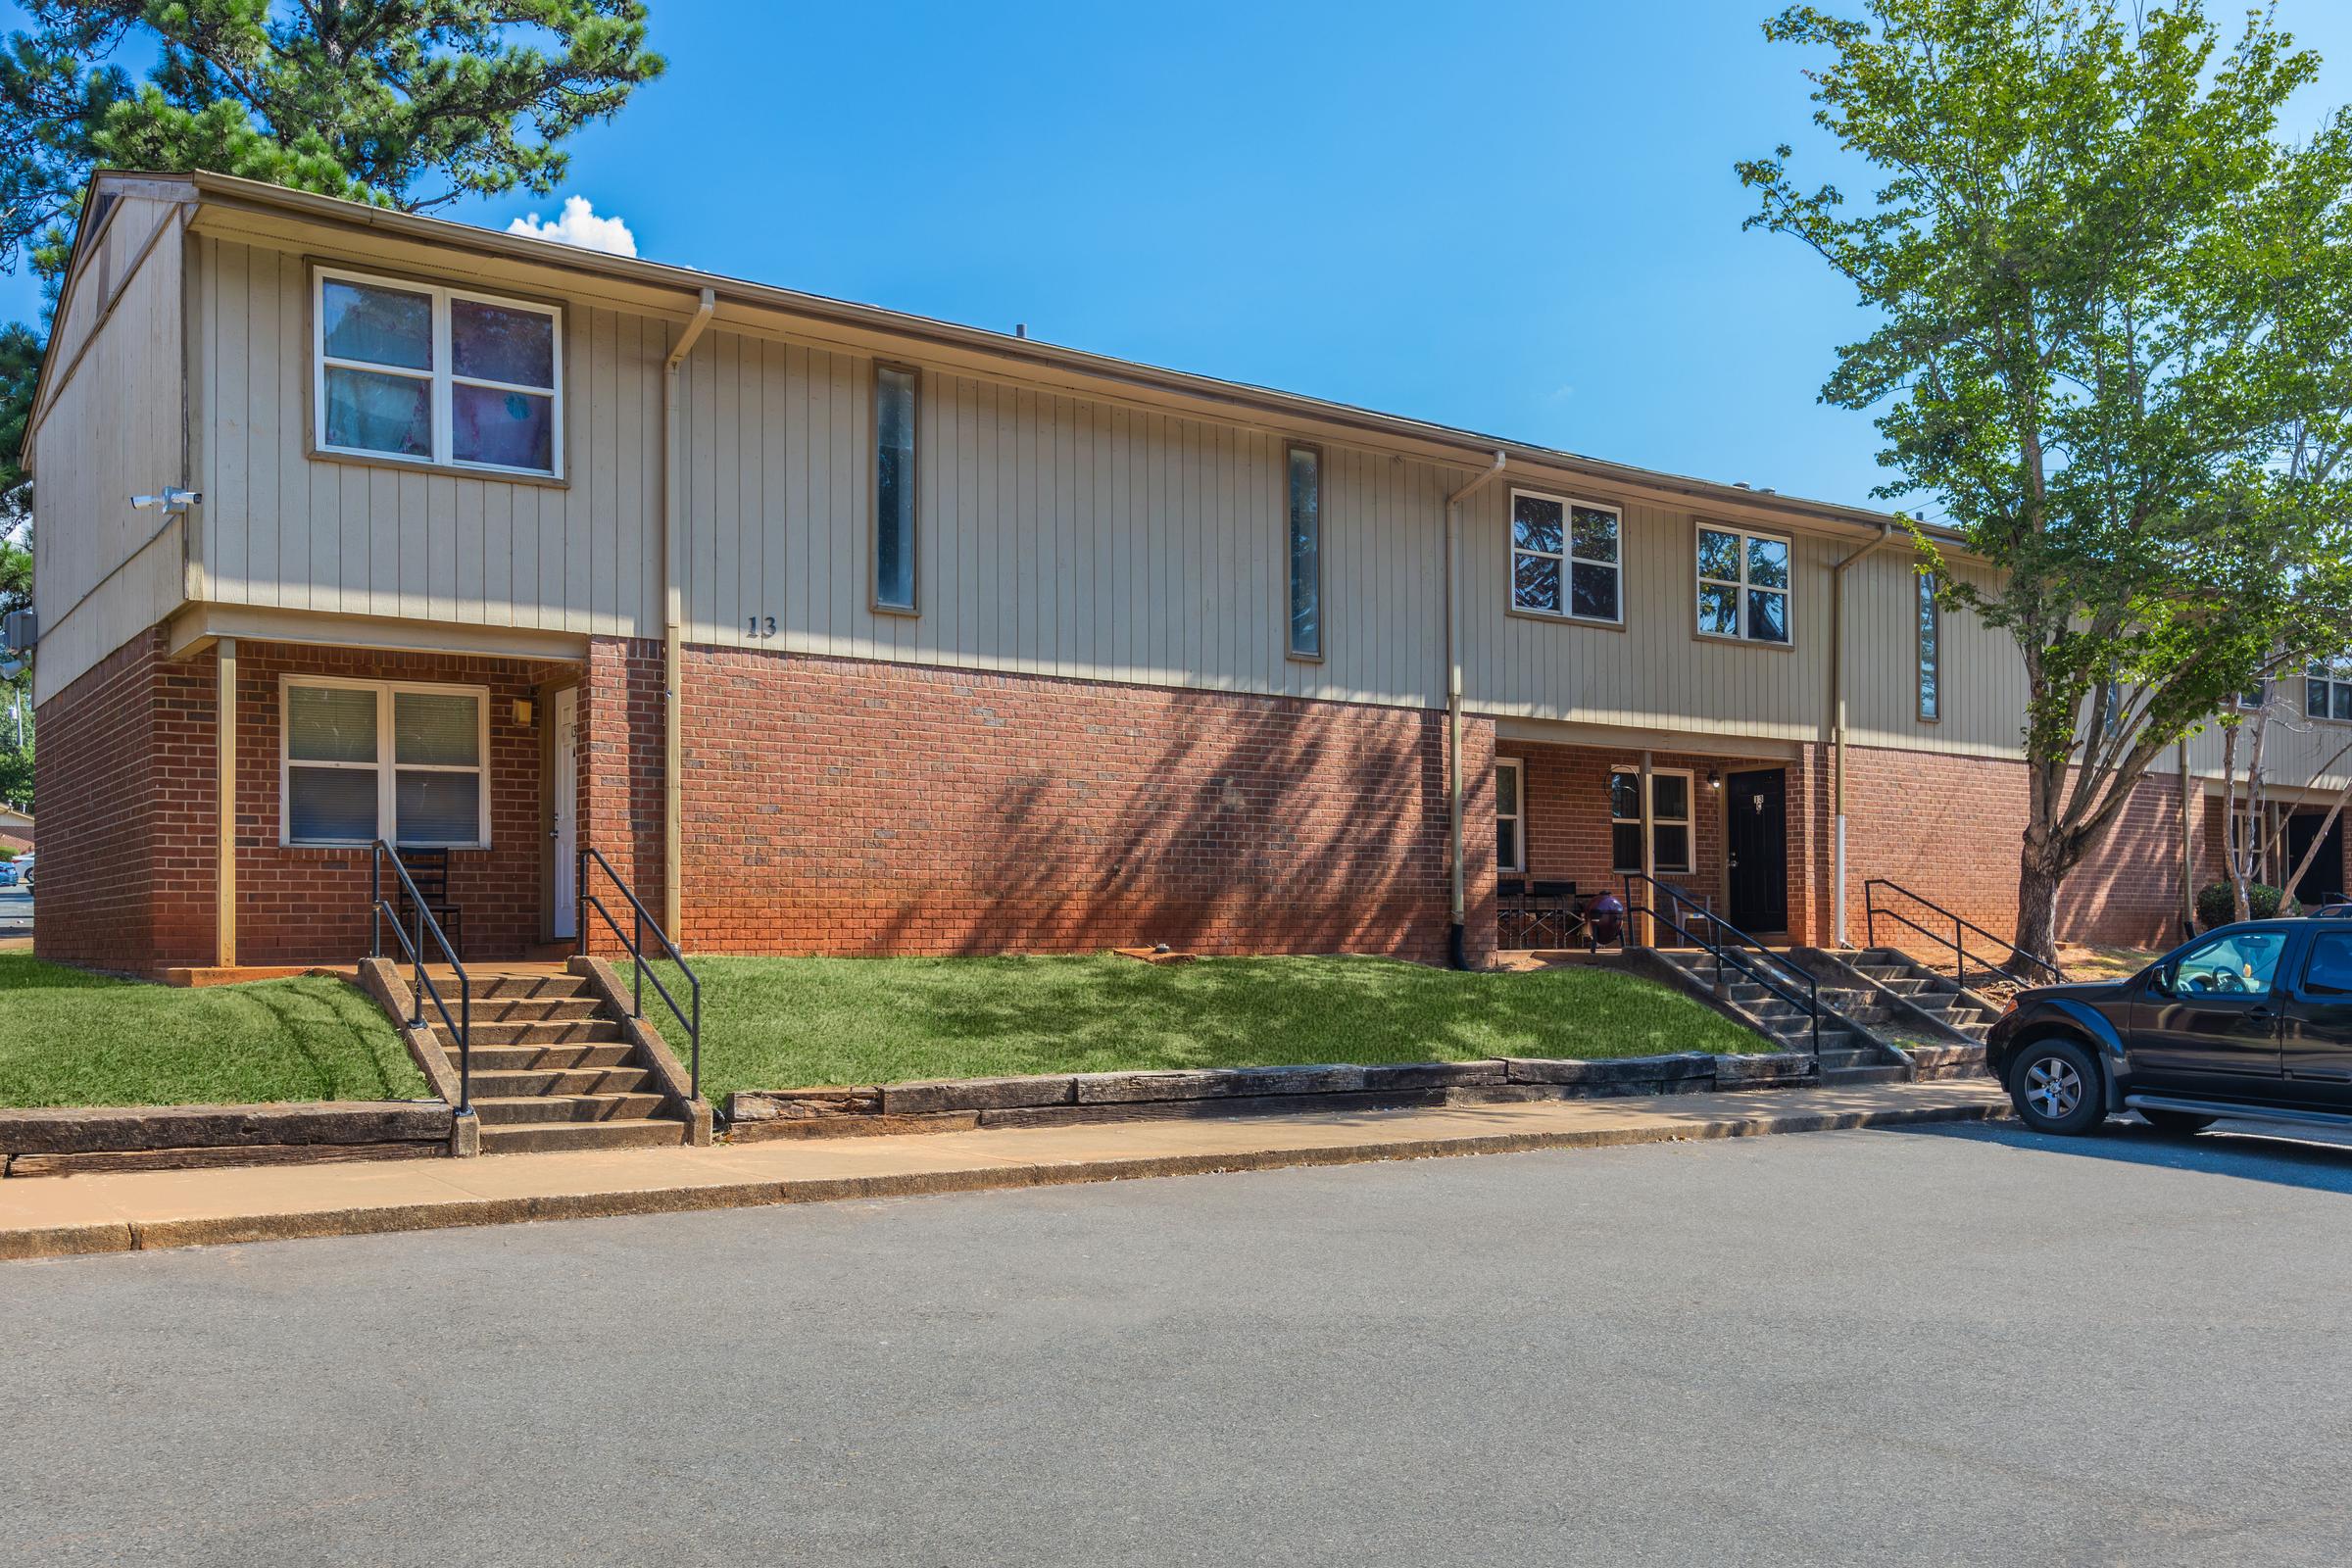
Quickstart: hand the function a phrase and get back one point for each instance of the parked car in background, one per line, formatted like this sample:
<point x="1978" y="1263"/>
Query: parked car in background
<point x="24" y="865"/>
<point x="9" y="872"/>
<point x="2252" y="1021"/>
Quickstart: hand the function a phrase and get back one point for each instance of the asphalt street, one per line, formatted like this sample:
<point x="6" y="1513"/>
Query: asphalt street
<point x="15" y="912"/>
<point x="1940" y="1346"/>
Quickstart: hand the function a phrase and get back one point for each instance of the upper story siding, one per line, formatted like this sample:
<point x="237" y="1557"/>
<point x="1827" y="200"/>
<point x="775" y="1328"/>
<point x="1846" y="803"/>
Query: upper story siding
<point x="1063" y="529"/>
<point x="110" y="423"/>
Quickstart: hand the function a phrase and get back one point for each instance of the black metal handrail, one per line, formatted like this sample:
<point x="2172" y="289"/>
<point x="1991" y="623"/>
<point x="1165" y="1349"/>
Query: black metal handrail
<point x="1731" y="946"/>
<point x="381" y="910"/>
<point x="1957" y="941"/>
<point x="640" y="922"/>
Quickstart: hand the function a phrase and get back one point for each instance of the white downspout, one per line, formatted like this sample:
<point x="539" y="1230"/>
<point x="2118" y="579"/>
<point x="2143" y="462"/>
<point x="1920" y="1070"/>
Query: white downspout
<point x="1455" y="950"/>
<point x="672" y="620"/>
<point x="1837" y="733"/>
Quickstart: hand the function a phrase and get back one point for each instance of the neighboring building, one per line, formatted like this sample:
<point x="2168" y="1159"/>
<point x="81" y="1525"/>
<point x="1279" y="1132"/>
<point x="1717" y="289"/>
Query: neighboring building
<point x="890" y="635"/>
<point x="16" y="828"/>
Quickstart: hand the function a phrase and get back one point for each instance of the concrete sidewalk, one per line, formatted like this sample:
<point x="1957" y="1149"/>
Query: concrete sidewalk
<point x="59" y="1216"/>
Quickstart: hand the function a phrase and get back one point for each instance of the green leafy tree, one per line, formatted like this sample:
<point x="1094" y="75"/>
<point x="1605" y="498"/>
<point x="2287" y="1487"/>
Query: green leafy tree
<point x="2113" y="348"/>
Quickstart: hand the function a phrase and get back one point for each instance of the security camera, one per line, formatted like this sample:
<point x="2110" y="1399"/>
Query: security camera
<point x="173" y="499"/>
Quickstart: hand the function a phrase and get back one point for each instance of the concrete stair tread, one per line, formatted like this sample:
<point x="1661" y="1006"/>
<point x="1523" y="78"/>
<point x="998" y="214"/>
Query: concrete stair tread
<point x="652" y="1132"/>
<point x="497" y="1112"/>
<point x="1887" y="1075"/>
<point x="546" y="1059"/>
<point x="515" y="1083"/>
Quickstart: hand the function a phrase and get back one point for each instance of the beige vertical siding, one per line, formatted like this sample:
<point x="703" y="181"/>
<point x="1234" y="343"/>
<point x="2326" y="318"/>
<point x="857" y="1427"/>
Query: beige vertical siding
<point x="1983" y="678"/>
<point x="1056" y="536"/>
<point x="283" y="528"/>
<point x="1655" y="671"/>
<point x="105" y="573"/>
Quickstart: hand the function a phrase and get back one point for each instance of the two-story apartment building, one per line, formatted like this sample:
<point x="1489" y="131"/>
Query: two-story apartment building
<point x="840" y="630"/>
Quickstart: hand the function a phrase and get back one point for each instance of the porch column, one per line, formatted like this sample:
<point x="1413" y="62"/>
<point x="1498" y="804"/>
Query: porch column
<point x="1649" y="857"/>
<point x="225" y="748"/>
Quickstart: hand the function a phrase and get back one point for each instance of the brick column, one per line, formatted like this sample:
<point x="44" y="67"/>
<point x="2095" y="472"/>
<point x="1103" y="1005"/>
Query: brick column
<point x="620" y="775"/>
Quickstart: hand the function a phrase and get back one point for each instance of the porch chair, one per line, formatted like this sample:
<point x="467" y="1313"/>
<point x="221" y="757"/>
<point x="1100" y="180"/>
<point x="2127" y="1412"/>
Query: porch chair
<point x="1550" y="913"/>
<point x="1510" y="911"/>
<point x="429" y="870"/>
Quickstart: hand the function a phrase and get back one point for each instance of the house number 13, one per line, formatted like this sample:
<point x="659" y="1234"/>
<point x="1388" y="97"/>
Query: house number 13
<point x="762" y="626"/>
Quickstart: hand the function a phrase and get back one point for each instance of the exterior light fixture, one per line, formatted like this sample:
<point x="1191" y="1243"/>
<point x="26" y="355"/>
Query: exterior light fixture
<point x="1714" y="779"/>
<point x="172" y="500"/>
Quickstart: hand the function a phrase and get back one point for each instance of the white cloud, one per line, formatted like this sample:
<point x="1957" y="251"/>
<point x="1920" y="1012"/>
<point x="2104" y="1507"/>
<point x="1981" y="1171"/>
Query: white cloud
<point x="579" y="226"/>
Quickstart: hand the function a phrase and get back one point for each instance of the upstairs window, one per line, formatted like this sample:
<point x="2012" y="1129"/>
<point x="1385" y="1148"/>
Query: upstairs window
<point x="1742" y="585"/>
<point x="1930" y="652"/>
<point x="894" y="488"/>
<point x="381" y="759"/>
<point x="1564" y="558"/>
<point x="1305" y="470"/>
<point x="2328" y="688"/>
<point x="427" y="375"/>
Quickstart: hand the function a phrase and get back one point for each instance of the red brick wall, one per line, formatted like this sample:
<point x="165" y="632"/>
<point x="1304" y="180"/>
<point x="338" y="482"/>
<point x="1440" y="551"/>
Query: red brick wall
<point x="1568" y="822"/>
<point x="299" y="905"/>
<point x="1951" y="828"/>
<point x="852" y="807"/>
<point x="126" y="805"/>
<point x="620" y="760"/>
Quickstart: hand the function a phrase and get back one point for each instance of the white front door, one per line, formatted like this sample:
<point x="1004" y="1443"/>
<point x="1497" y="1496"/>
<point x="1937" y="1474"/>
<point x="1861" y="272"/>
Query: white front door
<point x="567" y="814"/>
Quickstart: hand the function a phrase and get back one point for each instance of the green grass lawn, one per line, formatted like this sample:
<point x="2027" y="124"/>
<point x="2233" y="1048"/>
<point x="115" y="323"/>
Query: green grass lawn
<point x="788" y="1023"/>
<point x="68" y="1037"/>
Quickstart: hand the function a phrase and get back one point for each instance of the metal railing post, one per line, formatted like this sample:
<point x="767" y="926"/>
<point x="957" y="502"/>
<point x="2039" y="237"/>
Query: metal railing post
<point x="637" y="963"/>
<point x="417" y="952"/>
<point x="375" y="905"/>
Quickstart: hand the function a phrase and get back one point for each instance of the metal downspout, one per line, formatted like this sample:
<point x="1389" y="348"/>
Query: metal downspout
<point x="672" y="620"/>
<point x="1455" y="949"/>
<point x="1838" y="936"/>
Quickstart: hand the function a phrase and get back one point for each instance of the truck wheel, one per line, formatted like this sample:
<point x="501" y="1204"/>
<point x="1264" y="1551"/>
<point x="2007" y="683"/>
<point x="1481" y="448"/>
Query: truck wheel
<point x="2056" y="1088"/>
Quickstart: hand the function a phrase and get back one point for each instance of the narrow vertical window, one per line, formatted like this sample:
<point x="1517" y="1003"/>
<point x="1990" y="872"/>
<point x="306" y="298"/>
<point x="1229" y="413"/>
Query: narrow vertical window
<point x="1307" y="552"/>
<point x="1930" y="652"/>
<point x="894" y="488"/>
<point x="1510" y="836"/>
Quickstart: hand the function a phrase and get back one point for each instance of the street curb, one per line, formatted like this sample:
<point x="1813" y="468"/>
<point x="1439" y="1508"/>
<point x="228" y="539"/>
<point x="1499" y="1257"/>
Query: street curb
<point x="128" y="1236"/>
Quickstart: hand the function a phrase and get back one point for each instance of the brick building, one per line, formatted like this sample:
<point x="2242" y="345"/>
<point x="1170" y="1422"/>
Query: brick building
<point x="830" y="629"/>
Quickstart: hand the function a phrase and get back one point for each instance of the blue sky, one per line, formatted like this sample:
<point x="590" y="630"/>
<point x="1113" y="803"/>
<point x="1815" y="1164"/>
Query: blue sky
<point x="1518" y="217"/>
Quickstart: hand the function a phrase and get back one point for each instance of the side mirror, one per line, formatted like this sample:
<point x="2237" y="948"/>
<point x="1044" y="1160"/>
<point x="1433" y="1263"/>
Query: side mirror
<point x="2160" y="980"/>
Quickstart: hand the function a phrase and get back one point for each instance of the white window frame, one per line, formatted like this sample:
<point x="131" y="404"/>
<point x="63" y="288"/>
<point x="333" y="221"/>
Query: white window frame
<point x="443" y="375"/>
<point x="1566" y="556"/>
<point x="387" y="767"/>
<point x="1688" y="821"/>
<point x="1518" y="771"/>
<point x="1701" y="580"/>
<point x="2334" y="672"/>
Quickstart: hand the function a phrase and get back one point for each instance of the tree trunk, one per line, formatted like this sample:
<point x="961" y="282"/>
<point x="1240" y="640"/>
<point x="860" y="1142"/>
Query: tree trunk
<point x="2037" y="909"/>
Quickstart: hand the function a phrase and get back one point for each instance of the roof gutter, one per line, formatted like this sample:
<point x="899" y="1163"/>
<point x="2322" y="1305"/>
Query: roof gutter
<point x="672" y="625"/>
<point x="1837" y="933"/>
<point x="1456" y="952"/>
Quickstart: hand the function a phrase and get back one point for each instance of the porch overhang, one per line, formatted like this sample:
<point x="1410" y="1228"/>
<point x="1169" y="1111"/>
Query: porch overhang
<point x="197" y="627"/>
<point x="1628" y="738"/>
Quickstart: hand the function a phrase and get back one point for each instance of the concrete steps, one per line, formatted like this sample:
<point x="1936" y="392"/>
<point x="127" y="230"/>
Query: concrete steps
<point x="1936" y="994"/>
<point x="553" y="1068"/>
<point x="1849" y="1053"/>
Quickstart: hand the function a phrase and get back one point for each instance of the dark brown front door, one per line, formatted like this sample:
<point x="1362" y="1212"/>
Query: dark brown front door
<point x="1757" y="839"/>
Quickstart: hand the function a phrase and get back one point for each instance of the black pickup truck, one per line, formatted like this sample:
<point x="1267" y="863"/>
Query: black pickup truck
<point x="2249" y="1020"/>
